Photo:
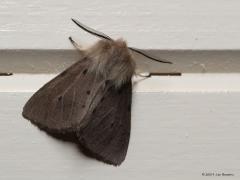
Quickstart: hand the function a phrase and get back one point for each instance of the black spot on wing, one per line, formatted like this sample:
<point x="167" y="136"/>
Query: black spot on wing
<point x="59" y="98"/>
<point x="107" y="82"/>
<point x="120" y="91"/>
<point x="85" y="71"/>
<point x="102" y="99"/>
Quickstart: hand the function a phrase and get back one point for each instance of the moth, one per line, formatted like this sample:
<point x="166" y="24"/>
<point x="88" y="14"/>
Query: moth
<point x="91" y="99"/>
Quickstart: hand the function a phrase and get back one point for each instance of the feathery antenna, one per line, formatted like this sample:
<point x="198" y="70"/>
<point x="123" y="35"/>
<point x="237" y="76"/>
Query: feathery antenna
<point x="91" y="31"/>
<point x="104" y="36"/>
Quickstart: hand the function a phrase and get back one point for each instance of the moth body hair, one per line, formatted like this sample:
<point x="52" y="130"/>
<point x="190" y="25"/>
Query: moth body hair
<point x="112" y="60"/>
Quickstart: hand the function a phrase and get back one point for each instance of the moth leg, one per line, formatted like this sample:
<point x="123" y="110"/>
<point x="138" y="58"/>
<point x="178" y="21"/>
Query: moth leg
<point x="76" y="45"/>
<point x="149" y="74"/>
<point x="144" y="74"/>
<point x="5" y="74"/>
<point x="144" y="77"/>
<point x="165" y="74"/>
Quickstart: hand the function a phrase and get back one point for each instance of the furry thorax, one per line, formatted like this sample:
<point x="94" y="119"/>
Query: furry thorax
<point x="112" y="60"/>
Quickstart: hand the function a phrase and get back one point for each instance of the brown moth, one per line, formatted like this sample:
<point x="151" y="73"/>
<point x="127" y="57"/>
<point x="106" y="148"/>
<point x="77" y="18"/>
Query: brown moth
<point x="91" y="100"/>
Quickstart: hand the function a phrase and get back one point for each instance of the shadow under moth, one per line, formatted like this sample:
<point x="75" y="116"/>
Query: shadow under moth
<point x="91" y="100"/>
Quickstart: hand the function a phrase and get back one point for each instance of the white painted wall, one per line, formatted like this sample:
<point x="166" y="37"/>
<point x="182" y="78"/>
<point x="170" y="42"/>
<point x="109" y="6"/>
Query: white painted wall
<point x="181" y="126"/>
<point x="157" y="24"/>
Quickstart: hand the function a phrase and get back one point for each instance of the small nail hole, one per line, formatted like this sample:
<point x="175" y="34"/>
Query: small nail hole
<point x="106" y="82"/>
<point x="59" y="98"/>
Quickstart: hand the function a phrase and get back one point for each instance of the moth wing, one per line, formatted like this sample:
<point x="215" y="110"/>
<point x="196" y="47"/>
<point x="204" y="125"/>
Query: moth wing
<point x="63" y="102"/>
<point x="107" y="132"/>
